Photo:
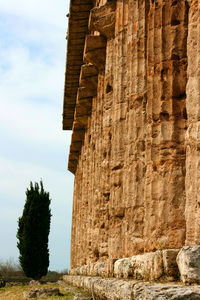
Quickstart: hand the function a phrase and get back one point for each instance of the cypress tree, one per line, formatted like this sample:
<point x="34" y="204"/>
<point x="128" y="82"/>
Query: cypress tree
<point x="33" y="232"/>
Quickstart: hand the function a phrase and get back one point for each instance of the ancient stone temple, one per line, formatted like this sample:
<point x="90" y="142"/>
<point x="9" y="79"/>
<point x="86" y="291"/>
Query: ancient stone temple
<point x="132" y="101"/>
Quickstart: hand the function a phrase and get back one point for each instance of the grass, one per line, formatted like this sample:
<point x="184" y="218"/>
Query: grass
<point x="12" y="273"/>
<point x="16" y="292"/>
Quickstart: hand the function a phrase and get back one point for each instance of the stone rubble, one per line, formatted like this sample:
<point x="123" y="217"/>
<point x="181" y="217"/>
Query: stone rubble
<point x="34" y="282"/>
<point x="79" y="297"/>
<point x="41" y="292"/>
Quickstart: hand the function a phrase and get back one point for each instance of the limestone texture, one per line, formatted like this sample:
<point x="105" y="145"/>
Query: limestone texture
<point x="41" y="292"/>
<point x="170" y="267"/>
<point x="188" y="260"/>
<point x="81" y="298"/>
<point x="149" y="266"/>
<point x="134" y="115"/>
<point x="192" y="207"/>
<point x="115" y="289"/>
<point x="34" y="282"/>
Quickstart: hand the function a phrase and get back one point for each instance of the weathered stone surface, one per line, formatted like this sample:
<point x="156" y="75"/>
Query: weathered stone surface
<point x="129" y="189"/>
<point x="34" y="282"/>
<point x="83" y="270"/>
<point x="30" y="294"/>
<point x="114" y="289"/>
<point x="136" y="158"/>
<point x="148" y="266"/>
<point x="188" y="261"/>
<point x="89" y="78"/>
<point x="41" y="292"/>
<point x="169" y="263"/>
<point x="102" y="19"/>
<point x="164" y="291"/>
<point x="78" y="297"/>
<point x="95" y="51"/>
<point x="97" y="269"/>
<point x="192" y="183"/>
<point x="77" y="29"/>
<point x="123" y="268"/>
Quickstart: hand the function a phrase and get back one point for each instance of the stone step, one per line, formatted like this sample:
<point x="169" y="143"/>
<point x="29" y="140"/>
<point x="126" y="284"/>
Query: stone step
<point x="164" y="265"/>
<point x="120" y="289"/>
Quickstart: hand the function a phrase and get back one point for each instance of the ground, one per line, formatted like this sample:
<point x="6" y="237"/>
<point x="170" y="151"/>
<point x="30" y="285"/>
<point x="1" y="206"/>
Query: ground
<point x="16" y="292"/>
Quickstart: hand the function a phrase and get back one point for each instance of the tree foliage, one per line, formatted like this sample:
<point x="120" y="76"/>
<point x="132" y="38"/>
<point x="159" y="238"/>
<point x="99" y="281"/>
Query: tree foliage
<point x="33" y="232"/>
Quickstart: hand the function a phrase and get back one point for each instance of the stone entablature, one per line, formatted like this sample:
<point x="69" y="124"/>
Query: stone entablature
<point x="77" y="30"/>
<point x="134" y="112"/>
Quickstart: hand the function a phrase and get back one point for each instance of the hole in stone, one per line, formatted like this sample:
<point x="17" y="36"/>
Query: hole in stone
<point x="89" y="138"/>
<point x="143" y="146"/>
<point x="96" y="253"/>
<point x="179" y="96"/>
<point x="174" y="3"/>
<point x="175" y="22"/>
<point x="175" y="57"/>
<point x="109" y="88"/>
<point x="106" y="196"/>
<point x="185" y="114"/>
<point x="102" y="225"/>
<point x="117" y="167"/>
<point x="164" y="73"/>
<point x="163" y="97"/>
<point x="164" y="116"/>
<point x="155" y="168"/>
<point x="104" y="154"/>
<point x="117" y="184"/>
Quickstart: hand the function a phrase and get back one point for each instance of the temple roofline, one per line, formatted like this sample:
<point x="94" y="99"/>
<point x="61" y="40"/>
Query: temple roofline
<point x="77" y="30"/>
<point x="89" y="29"/>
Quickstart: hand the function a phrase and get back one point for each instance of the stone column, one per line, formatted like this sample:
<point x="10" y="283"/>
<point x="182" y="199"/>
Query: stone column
<point x="192" y="210"/>
<point x="166" y="124"/>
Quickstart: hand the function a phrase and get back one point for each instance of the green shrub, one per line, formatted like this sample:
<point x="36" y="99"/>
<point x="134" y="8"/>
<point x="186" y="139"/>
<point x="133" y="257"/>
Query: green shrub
<point x="33" y="232"/>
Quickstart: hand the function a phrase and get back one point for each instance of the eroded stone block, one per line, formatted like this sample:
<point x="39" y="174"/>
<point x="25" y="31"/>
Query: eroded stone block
<point x="188" y="261"/>
<point x="170" y="264"/>
<point x="123" y="268"/>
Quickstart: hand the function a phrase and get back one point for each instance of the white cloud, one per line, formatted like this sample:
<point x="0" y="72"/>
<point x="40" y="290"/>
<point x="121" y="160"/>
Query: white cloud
<point x="25" y="76"/>
<point x="31" y="95"/>
<point x="31" y="120"/>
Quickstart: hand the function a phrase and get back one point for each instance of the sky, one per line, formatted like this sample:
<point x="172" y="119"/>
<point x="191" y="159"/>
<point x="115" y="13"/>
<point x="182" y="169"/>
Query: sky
<point x="32" y="142"/>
